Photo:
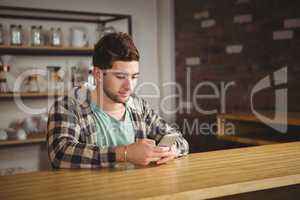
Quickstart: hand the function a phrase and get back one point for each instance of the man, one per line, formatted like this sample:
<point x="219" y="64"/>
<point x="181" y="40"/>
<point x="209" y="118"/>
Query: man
<point x="110" y="124"/>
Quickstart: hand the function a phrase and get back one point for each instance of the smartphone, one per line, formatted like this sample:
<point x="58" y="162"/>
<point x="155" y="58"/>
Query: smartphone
<point x="168" y="140"/>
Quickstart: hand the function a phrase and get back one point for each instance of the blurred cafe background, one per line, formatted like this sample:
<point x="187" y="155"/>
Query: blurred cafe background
<point x="225" y="72"/>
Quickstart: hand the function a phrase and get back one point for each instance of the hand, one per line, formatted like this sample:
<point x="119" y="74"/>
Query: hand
<point x="145" y="151"/>
<point x="170" y="156"/>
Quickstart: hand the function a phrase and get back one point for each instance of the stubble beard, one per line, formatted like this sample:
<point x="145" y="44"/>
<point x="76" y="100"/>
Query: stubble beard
<point x="113" y="97"/>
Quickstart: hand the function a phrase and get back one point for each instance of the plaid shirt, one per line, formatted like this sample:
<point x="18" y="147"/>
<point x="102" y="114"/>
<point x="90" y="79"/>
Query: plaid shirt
<point x="71" y="135"/>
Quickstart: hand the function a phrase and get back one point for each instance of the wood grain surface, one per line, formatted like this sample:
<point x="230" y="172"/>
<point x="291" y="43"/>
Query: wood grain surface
<point x="196" y="176"/>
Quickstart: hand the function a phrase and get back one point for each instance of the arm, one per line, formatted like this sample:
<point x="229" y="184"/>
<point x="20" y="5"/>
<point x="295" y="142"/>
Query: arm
<point x="64" y="148"/>
<point x="66" y="151"/>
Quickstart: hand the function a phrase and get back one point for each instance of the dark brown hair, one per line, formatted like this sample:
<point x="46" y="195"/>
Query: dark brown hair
<point x="114" y="47"/>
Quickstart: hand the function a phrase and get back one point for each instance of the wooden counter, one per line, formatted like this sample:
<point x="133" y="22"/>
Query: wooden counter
<point x="293" y="118"/>
<point x="252" y="131"/>
<point x="197" y="176"/>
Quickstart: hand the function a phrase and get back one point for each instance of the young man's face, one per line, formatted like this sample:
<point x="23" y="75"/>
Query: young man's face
<point x="120" y="81"/>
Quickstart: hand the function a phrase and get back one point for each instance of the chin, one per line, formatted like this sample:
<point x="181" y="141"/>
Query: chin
<point x="124" y="100"/>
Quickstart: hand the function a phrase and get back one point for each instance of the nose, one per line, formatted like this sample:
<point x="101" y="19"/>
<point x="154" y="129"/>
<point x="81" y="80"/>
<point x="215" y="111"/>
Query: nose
<point x="129" y="84"/>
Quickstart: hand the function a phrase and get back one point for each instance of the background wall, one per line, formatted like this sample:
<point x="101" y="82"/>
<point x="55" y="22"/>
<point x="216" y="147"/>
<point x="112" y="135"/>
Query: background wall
<point x="203" y="31"/>
<point x="166" y="58"/>
<point x="152" y="33"/>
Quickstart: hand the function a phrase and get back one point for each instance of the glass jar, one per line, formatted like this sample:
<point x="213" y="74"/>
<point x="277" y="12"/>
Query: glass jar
<point x="36" y="36"/>
<point x="56" y="37"/>
<point x="42" y="38"/>
<point x="15" y="35"/>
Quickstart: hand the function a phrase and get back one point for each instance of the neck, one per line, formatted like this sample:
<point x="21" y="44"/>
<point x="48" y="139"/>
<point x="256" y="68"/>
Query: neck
<point x="104" y="102"/>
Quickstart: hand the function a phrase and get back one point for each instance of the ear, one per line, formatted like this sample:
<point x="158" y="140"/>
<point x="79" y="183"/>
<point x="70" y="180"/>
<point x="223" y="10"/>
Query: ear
<point x="97" y="73"/>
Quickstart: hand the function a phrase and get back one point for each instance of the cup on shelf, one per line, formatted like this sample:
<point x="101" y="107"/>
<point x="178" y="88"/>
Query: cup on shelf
<point x="31" y="125"/>
<point x="79" y="37"/>
<point x="32" y="84"/>
<point x="16" y="134"/>
<point x="3" y="135"/>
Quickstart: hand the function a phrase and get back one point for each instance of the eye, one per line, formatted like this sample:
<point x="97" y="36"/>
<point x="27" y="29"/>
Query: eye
<point x="121" y="76"/>
<point x="135" y="77"/>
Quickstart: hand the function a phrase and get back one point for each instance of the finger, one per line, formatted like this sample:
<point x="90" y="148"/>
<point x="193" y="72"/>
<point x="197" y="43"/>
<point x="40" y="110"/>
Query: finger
<point x="153" y="159"/>
<point x="161" y="149"/>
<point x="161" y="161"/>
<point x="164" y="160"/>
<point x="149" y="141"/>
<point x="169" y="154"/>
<point x="161" y="154"/>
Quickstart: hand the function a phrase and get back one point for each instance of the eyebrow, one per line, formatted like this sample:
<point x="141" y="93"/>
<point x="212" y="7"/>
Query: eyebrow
<point x="124" y="73"/>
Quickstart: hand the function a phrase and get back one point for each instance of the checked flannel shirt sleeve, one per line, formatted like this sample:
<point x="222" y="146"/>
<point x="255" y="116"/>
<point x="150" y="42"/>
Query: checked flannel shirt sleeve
<point x="157" y="127"/>
<point x="64" y="148"/>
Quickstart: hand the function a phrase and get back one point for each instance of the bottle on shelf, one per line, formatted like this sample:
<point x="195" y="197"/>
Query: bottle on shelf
<point x="36" y="36"/>
<point x="56" y="37"/>
<point x="16" y="35"/>
<point x="42" y="38"/>
<point x="33" y="35"/>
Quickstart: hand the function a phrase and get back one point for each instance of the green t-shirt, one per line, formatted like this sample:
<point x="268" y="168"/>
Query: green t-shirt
<point x="110" y="131"/>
